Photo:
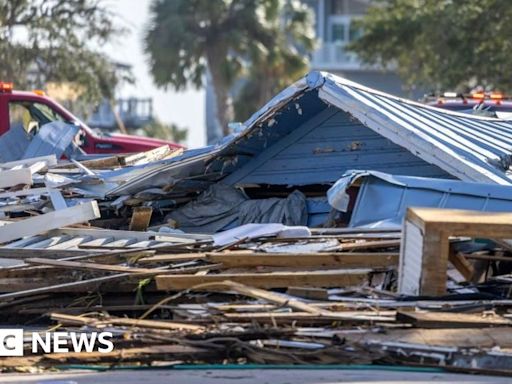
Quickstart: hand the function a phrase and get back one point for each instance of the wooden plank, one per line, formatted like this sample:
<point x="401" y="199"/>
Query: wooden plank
<point x="49" y="160"/>
<point x="174" y="238"/>
<point x="341" y="260"/>
<point x="329" y="278"/>
<point x="271" y="297"/>
<point x="152" y="155"/>
<point x="172" y="258"/>
<point x="155" y="324"/>
<point x="457" y="222"/>
<point x="94" y="232"/>
<point x="89" y="266"/>
<point x="108" y="162"/>
<point x="462" y="265"/>
<point x="363" y="245"/>
<point x="24" y="192"/>
<point x="451" y="320"/>
<point x="141" y="217"/>
<point x="23" y="253"/>
<point x="39" y="224"/>
<point x="15" y="177"/>
<point x="291" y="317"/>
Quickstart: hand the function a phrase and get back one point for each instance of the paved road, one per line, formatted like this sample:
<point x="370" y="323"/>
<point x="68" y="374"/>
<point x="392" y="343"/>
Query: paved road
<point x="251" y="376"/>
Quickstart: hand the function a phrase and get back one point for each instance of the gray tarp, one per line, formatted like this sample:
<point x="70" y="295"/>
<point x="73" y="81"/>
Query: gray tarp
<point x="221" y="205"/>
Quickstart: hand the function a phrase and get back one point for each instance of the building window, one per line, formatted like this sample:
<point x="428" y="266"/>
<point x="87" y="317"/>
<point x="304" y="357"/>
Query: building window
<point x="338" y="33"/>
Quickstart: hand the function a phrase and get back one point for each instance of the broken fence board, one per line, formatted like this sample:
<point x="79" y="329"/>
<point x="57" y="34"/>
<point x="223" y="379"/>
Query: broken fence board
<point x="52" y="220"/>
<point x="14" y="177"/>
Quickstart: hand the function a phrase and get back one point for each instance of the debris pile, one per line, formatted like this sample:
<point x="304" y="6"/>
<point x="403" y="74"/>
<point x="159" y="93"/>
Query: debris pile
<point x="230" y="254"/>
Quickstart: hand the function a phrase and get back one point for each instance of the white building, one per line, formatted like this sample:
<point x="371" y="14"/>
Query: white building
<point x="335" y="29"/>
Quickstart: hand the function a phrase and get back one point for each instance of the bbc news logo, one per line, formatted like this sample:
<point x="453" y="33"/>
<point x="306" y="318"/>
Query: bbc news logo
<point x="12" y="342"/>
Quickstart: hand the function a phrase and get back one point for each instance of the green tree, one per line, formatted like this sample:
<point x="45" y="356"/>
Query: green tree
<point x="52" y="40"/>
<point x="185" y="37"/>
<point x="441" y="44"/>
<point x="274" y="68"/>
<point x="164" y="131"/>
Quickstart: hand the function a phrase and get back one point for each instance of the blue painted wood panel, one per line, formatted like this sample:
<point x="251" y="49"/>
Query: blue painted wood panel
<point x="322" y="149"/>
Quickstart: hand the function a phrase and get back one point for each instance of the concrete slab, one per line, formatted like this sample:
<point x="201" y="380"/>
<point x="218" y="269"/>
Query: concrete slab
<point x="250" y="376"/>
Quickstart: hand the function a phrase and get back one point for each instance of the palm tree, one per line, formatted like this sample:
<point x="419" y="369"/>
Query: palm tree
<point x="274" y="68"/>
<point x="185" y="38"/>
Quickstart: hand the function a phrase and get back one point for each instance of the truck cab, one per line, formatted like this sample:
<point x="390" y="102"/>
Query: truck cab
<point x="31" y="110"/>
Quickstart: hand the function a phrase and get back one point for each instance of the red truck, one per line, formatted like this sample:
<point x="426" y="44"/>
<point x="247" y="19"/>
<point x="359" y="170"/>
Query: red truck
<point x="36" y="109"/>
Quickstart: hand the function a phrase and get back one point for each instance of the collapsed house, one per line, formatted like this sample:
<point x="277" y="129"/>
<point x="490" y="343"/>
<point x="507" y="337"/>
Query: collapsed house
<point x="311" y="134"/>
<point x="294" y="251"/>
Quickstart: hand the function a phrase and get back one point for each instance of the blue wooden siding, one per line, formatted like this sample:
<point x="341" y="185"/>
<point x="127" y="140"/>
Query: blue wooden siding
<point x="323" y="148"/>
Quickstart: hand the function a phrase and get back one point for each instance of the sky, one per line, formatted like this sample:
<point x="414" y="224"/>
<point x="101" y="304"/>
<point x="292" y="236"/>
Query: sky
<point x="183" y="108"/>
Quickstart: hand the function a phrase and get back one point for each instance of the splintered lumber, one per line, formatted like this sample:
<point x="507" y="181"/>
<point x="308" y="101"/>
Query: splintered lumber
<point x="462" y="265"/>
<point x="13" y="177"/>
<point x="266" y="295"/>
<point x="52" y="220"/>
<point x="156" y="324"/>
<point x="334" y="259"/>
<point x="451" y="320"/>
<point x="324" y="278"/>
<point x="425" y="247"/>
<point x="306" y="317"/>
<point x="172" y="258"/>
<point x="115" y="268"/>
<point x="363" y="245"/>
<point x="145" y="157"/>
<point x="140" y="218"/>
<point x="89" y="266"/>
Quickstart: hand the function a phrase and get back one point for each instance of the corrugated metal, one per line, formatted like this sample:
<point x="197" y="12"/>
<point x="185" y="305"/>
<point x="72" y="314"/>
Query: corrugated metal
<point x="383" y="199"/>
<point x="279" y="143"/>
<point x="411" y="266"/>
<point x="472" y="148"/>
